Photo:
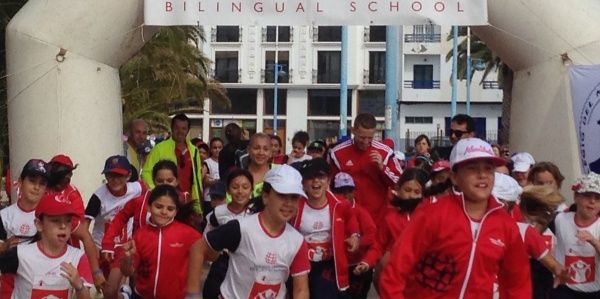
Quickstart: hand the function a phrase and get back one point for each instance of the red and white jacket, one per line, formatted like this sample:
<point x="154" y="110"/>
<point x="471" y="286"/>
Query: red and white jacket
<point x="439" y="255"/>
<point x="161" y="259"/>
<point x="390" y="229"/>
<point x="343" y="225"/>
<point x="137" y="209"/>
<point x="371" y="183"/>
<point x="368" y="232"/>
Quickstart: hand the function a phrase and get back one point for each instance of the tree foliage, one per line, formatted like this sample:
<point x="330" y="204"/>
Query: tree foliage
<point x="169" y="75"/>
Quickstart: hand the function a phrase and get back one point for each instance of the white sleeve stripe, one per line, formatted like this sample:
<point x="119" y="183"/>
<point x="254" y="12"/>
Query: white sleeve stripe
<point x="543" y="254"/>
<point x="300" y="273"/>
<point x="89" y="217"/>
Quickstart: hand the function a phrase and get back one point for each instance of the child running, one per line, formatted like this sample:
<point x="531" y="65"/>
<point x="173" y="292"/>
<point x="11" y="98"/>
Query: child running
<point x="578" y="244"/>
<point x="407" y="195"/>
<point x="17" y="221"/>
<point x="360" y="283"/>
<point x="239" y="185"/>
<point x="158" y="254"/>
<point x="264" y="250"/>
<point x="104" y="204"/>
<point x="461" y="245"/>
<point x="329" y="227"/>
<point x="48" y="267"/>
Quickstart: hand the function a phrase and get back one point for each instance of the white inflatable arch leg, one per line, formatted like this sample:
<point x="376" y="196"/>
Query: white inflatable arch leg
<point x="63" y="84"/>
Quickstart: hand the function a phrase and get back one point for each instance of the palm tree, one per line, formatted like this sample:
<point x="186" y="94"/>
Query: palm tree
<point x="480" y="52"/>
<point x="169" y="75"/>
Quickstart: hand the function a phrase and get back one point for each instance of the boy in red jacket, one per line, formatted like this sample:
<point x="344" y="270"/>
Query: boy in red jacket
<point x="329" y="227"/>
<point x="459" y="246"/>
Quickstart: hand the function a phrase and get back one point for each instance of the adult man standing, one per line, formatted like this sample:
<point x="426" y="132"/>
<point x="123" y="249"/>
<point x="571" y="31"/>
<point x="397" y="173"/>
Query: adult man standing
<point x="135" y="147"/>
<point x="462" y="126"/>
<point x="180" y="150"/>
<point x="369" y="162"/>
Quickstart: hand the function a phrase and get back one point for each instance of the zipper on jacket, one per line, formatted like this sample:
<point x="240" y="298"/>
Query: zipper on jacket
<point x="463" y="289"/>
<point x="158" y="261"/>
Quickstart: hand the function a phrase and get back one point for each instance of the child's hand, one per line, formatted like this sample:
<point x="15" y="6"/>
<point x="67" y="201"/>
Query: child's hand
<point x="362" y="267"/>
<point x="9" y="243"/>
<point x="71" y="274"/>
<point x="561" y="277"/>
<point x="584" y="235"/>
<point x="353" y="242"/>
<point x="129" y="248"/>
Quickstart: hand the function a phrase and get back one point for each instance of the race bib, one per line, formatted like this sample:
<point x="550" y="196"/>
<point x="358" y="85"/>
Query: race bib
<point x="581" y="269"/>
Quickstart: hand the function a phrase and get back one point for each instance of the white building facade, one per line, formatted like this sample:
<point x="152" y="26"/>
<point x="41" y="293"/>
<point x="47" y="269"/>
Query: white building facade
<point x="308" y="88"/>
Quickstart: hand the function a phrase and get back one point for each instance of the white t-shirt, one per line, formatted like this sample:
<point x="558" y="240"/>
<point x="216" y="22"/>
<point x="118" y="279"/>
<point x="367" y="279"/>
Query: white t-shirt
<point x="315" y="226"/>
<point x="292" y="159"/>
<point x="213" y="173"/>
<point x="259" y="263"/>
<point x="16" y="222"/>
<point x="103" y="206"/>
<point x="579" y="257"/>
<point x="38" y="276"/>
<point x="221" y="215"/>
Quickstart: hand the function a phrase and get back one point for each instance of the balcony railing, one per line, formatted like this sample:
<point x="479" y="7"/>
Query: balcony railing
<point x="228" y="76"/>
<point x="268" y="76"/>
<point x="374" y="77"/>
<point x="423" y="38"/>
<point x="490" y="85"/>
<point x="422" y="84"/>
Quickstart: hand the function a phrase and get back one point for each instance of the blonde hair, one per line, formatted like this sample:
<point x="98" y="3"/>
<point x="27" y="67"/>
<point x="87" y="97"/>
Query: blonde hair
<point x="540" y="203"/>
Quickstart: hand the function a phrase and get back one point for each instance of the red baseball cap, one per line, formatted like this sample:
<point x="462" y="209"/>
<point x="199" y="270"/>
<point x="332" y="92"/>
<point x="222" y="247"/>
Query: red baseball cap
<point x="440" y="165"/>
<point x="63" y="160"/>
<point x="54" y="205"/>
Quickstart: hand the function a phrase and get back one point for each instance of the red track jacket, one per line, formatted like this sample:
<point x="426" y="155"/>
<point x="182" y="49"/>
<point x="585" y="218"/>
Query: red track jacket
<point x="371" y="183"/>
<point x="437" y="256"/>
<point x="343" y="225"/>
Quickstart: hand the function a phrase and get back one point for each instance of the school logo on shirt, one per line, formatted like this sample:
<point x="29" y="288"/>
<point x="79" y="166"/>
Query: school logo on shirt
<point x="581" y="269"/>
<point x="264" y="291"/>
<point x="24" y="229"/>
<point x="318" y="225"/>
<point x="271" y="258"/>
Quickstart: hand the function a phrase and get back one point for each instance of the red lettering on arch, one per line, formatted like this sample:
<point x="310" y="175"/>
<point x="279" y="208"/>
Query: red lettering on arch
<point x="459" y="7"/>
<point x="439" y="6"/>
<point x="168" y="6"/>
<point x="300" y="7"/>
<point x="416" y="6"/>
<point x="370" y="8"/>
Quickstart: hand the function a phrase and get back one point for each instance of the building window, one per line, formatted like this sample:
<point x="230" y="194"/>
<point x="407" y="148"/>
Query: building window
<point x="422" y="76"/>
<point x="243" y="101"/>
<point x="283" y="60"/>
<point x="424" y="34"/>
<point x="284" y="33"/>
<point x="326" y="102"/>
<point x="226" y="66"/>
<point x="376" y="67"/>
<point x="217" y="125"/>
<point x="329" y="34"/>
<point x="228" y="34"/>
<point x="372" y="101"/>
<point x="328" y="66"/>
<point x="377" y="33"/>
<point x="269" y="96"/>
<point x="418" y="120"/>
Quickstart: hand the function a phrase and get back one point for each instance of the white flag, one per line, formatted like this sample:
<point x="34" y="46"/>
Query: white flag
<point x="585" y="91"/>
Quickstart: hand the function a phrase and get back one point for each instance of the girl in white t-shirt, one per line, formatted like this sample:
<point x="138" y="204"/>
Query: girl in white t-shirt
<point x="48" y="267"/>
<point x="239" y="186"/>
<point x="264" y="250"/>
<point x="578" y="241"/>
<point x="298" y="153"/>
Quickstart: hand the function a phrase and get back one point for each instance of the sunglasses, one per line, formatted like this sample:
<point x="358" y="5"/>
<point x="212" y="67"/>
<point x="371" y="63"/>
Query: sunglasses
<point x="458" y="133"/>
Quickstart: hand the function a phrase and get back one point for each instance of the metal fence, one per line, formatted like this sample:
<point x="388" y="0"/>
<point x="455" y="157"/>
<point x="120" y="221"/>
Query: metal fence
<point x="437" y="138"/>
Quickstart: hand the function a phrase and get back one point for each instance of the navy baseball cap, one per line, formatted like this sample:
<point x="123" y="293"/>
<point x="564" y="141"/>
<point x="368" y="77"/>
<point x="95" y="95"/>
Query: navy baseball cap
<point x="314" y="168"/>
<point x="218" y="190"/>
<point x="35" y="167"/>
<point x="117" y="164"/>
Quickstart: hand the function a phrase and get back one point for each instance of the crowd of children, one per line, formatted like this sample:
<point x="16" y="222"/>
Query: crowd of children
<point x="308" y="225"/>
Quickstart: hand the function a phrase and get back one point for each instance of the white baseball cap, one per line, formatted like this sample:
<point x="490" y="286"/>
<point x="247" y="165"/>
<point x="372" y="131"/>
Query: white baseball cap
<point x="522" y="161"/>
<point x="400" y="155"/>
<point x="343" y="179"/>
<point x="285" y="179"/>
<point x="506" y="188"/>
<point x="470" y="149"/>
<point x="588" y="183"/>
